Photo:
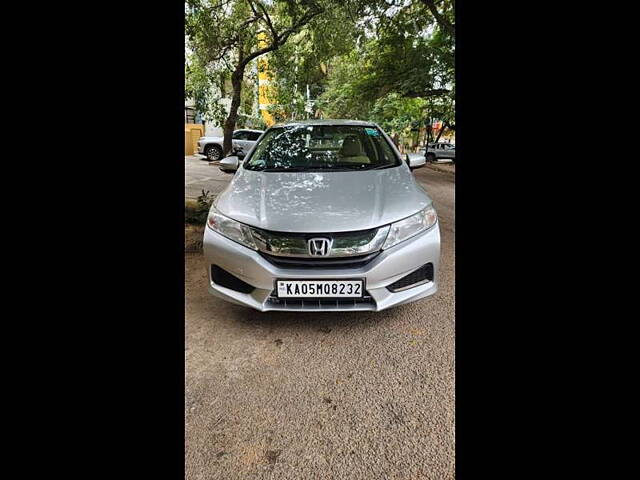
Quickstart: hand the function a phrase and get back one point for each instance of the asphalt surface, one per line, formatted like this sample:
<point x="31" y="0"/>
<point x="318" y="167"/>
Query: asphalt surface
<point x="199" y="175"/>
<point x="352" y="395"/>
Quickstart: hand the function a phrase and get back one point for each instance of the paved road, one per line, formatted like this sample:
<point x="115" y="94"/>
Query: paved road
<point x="198" y="175"/>
<point x="354" y="395"/>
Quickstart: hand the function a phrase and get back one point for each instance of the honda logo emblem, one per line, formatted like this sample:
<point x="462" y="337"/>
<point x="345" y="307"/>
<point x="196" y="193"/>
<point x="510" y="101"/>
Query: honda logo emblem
<point x="319" y="247"/>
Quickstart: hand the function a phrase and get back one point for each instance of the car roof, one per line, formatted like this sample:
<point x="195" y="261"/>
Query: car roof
<point x="339" y="121"/>
<point x="248" y="130"/>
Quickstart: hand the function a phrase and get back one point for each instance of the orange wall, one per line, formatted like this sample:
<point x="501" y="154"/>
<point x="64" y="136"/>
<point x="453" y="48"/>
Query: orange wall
<point x="192" y="132"/>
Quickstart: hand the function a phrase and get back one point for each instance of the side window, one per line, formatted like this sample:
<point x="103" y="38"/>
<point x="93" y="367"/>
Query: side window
<point x="253" y="136"/>
<point x="383" y="150"/>
<point x="240" y="135"/>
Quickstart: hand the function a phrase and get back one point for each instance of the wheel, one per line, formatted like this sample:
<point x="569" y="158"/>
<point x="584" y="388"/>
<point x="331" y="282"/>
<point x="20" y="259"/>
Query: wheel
<point x="213" y="152"/>
<point x="431" y="157"/>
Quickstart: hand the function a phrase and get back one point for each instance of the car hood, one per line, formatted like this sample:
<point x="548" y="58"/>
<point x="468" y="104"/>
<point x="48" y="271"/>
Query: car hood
<point x="211" y="139"/>
<point x="322" y="201"/>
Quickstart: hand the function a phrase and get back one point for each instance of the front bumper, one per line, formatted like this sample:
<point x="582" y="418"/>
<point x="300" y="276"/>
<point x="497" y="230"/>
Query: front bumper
<point x="388" y="267"/>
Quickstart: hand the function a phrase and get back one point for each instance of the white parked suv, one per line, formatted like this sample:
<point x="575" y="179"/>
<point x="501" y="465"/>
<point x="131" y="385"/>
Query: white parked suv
<point x="440" y="151"/>
<point x="243" y="141"/>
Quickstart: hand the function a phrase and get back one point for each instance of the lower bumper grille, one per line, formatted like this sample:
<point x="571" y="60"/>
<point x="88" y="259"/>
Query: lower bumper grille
<point x="225" y="279"/>
<point x="422" y="275"/>
<point x="364" y="303"/>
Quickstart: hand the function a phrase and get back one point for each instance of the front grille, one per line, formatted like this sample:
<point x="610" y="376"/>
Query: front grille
<point x="321" y="262"/>
<point x="225" y="279"/>
<point x="343" y="244"/>
<point x="422" y="275"/>
<point x="364" y="303"/>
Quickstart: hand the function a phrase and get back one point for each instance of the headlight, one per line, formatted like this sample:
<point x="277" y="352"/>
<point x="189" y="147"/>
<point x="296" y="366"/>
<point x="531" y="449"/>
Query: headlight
<point x="413" y="225"/>
<point x="231" y="229"/>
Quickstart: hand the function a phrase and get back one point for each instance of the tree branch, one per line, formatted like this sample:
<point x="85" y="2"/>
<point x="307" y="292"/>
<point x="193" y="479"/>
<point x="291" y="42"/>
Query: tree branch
<point x="223" y="54"/>
<point x="268" y="20"/>
<point x="243" y="63"/>
<point x="278" y="39"/>
<point x="249" y="22"/>
<point x="443" y="22"/>
<point x="282" y="38"/>
<point x="436" y="92"/>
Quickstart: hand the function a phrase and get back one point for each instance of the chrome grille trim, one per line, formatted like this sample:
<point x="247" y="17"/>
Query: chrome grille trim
<point x="344" y="244"/>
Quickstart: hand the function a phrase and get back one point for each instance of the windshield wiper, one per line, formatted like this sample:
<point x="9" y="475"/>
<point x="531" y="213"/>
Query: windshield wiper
<point x="338" y="168"/>
<point x="320" y="168"/>
<point x="380" y="167"/>
<point x="282" y="169"/>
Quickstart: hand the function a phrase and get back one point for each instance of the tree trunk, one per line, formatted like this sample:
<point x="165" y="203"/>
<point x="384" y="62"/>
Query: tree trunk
<point x="444" y="126"/>
<point x="230" y="122"/>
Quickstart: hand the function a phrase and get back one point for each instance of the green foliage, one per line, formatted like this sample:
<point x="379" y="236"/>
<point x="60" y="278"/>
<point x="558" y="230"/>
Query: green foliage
<point x="251" y="121"/>
<point x="390" y="61"/>
<point x="222" y="36"/>
<point x="203" y="86"/>
<point x="396" y="113"/>
<point x="304" y="60"/>
<point x="346" y="94"/>
<point x="400" y="73"/>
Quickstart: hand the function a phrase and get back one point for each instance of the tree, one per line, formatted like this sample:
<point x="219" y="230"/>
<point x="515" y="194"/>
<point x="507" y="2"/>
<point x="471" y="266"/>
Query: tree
<point x="223" y="35"/>
<point x="401" y="73"/>
<point x="206" y="88"/>
<point x="305" y="61"/>
<point x="443" y="18"/>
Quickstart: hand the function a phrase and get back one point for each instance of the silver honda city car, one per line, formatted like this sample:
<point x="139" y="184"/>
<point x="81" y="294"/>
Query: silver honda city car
<point x="322" y="216"/>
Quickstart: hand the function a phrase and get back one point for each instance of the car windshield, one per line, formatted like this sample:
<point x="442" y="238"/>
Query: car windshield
<point x="304" y="148"/>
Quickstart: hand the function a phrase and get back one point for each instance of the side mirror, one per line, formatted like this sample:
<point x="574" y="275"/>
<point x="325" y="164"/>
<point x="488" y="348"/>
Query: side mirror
<point x="416" y="160"/>
<point x="229" y="164"/>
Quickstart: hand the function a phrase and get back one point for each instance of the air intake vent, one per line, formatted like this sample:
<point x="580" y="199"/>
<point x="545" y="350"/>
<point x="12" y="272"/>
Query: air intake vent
<point x="320" y="263"/>
<point x="226" y="280"/>
<point x="423" y="275"/>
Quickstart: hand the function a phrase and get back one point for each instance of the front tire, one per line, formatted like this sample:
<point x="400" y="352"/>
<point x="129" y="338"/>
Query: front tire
<point x="213" y="153"/>
<point x="431" y="157"/>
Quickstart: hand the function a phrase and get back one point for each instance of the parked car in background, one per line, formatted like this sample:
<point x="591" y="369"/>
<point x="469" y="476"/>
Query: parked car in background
<point x="242" y="142"/>
<point x="440" y="151"/>
<point x="323" y="215"/>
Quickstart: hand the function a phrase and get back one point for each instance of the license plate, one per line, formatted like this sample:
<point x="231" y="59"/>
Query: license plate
<point x="320" y="288"/>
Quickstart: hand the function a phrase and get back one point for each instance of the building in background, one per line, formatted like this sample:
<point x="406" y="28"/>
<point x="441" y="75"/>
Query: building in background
<point x="194" y="127"/>
<point x="190" y="113"/>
